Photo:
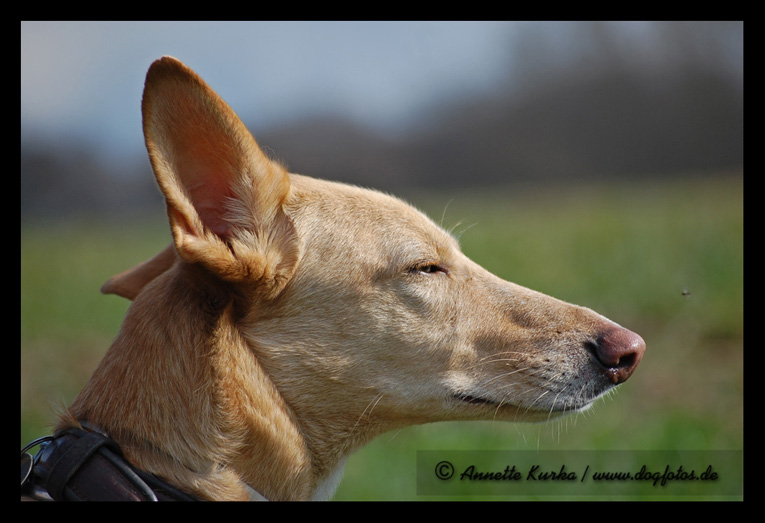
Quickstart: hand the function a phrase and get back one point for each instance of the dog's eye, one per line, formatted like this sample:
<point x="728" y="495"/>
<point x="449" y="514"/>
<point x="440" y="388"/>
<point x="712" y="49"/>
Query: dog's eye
<point x="429" y="268"/>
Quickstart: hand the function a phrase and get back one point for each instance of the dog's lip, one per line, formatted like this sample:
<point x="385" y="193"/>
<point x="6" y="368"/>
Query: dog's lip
<point x="473" y="400"/>
<point x="479" y="401"/>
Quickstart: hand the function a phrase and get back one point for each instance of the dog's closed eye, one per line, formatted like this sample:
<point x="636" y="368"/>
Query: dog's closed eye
<point x="429" y="268"/>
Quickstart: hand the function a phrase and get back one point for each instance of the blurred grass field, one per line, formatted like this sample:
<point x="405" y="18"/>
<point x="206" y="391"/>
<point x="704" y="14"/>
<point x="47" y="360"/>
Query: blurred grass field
<point x="662" y="258"/>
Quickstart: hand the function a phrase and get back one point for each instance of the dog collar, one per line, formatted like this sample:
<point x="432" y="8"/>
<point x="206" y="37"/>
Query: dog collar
<point x="75" y="465"/>
<point x="79" y="465"/>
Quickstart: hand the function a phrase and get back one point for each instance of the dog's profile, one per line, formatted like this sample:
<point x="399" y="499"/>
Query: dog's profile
<point x="292" y="320"/>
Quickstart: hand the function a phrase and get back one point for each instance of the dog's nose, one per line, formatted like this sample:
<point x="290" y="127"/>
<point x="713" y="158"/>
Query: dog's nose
<point x="619" y="351"/>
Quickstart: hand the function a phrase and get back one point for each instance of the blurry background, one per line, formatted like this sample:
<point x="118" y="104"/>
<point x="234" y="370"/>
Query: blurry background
<point x="600" y="162"/>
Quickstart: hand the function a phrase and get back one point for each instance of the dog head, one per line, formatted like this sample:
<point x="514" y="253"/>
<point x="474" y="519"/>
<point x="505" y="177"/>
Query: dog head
<point x="362" y="313"/>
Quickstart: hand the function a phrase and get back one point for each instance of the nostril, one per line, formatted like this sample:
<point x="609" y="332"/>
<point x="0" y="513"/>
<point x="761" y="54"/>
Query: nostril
<point x="619" y="351"/>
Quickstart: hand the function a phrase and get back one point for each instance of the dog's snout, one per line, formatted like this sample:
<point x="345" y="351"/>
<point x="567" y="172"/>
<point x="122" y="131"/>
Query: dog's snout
<point x="619" y="351"/>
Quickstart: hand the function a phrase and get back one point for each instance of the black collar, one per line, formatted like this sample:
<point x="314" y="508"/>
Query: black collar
<point x="78" y="465"/>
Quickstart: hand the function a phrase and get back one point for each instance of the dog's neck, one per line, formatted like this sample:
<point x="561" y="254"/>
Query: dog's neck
<point x="194" y="406"/>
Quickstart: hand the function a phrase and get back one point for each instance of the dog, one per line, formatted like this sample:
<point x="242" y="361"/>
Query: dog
<point x="291" y="320"/>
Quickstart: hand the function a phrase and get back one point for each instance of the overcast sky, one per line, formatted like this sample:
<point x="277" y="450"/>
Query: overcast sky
<point x="84" y="79"/>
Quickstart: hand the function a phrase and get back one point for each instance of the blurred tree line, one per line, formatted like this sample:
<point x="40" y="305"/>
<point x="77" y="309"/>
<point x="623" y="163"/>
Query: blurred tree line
<point x="601" y="108"/>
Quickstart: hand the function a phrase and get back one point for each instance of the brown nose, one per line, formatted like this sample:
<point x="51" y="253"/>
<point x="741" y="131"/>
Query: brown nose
<point x="619" y="351"/>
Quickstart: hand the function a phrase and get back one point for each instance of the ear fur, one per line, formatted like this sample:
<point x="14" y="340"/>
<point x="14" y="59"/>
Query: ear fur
<point x="224" y="196"/>
<point x="129" y="283"/>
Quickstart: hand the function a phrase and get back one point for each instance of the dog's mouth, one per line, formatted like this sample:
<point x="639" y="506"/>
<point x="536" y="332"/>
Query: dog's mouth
<point x="479" y="401"/>
<point x="473" y="400"/>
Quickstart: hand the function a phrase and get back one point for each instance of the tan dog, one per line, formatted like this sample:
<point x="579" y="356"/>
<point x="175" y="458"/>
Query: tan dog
<point x="292" y="320"/>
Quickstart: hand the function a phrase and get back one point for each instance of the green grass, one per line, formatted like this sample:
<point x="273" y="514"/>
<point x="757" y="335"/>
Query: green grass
<point x="664" y="259"/>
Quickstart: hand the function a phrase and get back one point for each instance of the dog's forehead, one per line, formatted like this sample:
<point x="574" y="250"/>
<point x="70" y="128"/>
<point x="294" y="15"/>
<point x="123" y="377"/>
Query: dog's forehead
<point x="351" y="214"/>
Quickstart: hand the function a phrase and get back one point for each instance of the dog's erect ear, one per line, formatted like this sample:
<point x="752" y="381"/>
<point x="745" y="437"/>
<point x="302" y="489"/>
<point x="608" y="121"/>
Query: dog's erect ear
<point x="224" y="196"/>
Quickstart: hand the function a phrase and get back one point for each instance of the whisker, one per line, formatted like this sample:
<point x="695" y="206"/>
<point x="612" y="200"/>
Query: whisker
<point x="367" y="410"/>
<point x="501" y="376"/>
<point x="443" y="213"/>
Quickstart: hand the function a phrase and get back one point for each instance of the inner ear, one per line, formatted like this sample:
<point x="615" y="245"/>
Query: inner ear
<point x="210" y="190"/>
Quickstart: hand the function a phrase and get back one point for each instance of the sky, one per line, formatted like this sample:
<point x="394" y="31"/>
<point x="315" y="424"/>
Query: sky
<point x="84" y="79"/>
